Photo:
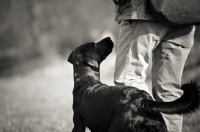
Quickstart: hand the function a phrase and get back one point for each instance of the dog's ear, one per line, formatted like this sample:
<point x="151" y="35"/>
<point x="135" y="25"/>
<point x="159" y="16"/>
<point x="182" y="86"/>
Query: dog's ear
<point x="76" y="60"/>
<point x="70" y="58"/>
<point x="79" y="59"/>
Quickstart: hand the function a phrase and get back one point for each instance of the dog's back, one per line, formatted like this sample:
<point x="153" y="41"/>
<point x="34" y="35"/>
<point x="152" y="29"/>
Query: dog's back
<point x="116" y="109"/>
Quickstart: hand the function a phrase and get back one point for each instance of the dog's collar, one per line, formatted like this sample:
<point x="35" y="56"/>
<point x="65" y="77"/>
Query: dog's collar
<point x="96" y="69"/>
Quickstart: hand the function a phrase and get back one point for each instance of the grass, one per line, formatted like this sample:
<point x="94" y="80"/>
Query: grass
<point x="42" y="100"/>
<point x="38" y="102"/>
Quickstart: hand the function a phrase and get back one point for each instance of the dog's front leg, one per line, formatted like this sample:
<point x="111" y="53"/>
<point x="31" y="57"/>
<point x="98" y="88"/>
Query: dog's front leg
<point x="78" y="129"/>
<point x="115" y="125"/>
<point x="79" y="125"/>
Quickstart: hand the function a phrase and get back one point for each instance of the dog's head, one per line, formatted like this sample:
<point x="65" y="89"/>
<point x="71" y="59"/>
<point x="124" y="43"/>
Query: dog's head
<point x="91" y="54"/>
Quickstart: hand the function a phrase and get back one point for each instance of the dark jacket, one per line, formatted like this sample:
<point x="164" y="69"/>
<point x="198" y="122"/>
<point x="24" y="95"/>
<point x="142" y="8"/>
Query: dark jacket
<point x="133" y="9"/>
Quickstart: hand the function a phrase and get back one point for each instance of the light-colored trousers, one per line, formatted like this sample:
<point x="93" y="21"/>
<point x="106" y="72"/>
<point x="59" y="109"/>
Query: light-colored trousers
<point x="169" y="46"/>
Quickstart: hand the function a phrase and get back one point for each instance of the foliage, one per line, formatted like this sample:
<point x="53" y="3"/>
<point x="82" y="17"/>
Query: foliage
<point x="32" y="29"/>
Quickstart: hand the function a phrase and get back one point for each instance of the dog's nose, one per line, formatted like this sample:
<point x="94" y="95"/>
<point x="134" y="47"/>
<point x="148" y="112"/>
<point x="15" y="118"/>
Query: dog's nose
<point x="108" y="38"/>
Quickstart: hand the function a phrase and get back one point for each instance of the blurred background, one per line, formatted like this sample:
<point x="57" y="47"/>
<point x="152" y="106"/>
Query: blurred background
<point x="36" y="81"/>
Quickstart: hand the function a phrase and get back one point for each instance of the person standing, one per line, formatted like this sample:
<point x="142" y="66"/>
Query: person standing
<point x="140" y="36"/>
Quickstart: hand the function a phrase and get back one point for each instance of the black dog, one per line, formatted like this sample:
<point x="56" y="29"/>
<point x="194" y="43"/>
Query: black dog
<point x="104" y="108"/>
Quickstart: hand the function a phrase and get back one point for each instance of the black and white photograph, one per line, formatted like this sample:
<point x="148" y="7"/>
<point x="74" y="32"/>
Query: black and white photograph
<point x="99" y="66"/>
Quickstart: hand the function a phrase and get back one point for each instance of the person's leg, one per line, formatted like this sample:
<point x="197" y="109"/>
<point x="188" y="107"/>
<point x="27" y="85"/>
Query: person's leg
<point x="135" y="44"/>
<point x="168" y="62"/>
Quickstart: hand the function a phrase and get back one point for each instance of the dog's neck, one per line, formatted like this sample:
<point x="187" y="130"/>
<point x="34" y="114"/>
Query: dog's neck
<point x="82" y="72"/>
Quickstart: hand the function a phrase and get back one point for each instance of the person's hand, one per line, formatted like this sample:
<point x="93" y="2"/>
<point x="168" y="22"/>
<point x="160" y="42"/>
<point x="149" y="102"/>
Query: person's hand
<point x="119" y="2"/>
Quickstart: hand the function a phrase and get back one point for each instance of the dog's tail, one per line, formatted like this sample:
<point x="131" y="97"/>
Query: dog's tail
<point x="187" y="103"/>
